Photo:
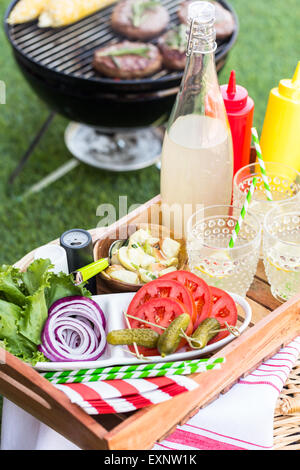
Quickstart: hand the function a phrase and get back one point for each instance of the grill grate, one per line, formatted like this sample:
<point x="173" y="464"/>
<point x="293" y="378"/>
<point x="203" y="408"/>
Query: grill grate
<point x="69" y="50"/>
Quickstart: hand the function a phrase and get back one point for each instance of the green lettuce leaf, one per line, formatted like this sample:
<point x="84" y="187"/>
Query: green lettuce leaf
<point x="37" y="275"/>
<point x="10" y="285"/>
<point x="62" y="285"/>
<point x="24" y="301"/>
<point x="34" y="358"/>
<point x="34" y="316"/>
<point x="10" y="315"/>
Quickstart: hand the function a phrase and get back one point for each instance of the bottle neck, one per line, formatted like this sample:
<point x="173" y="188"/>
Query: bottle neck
<point x="201" y="37"/>
<point x="199" y="91"/>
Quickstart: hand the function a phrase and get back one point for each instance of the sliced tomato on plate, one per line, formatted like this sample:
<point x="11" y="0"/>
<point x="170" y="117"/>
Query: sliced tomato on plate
<point x="224" y="310"/>
<point x="161" y="311"/>
<point x="164" y="288"/>
<point x="198" y="288"/>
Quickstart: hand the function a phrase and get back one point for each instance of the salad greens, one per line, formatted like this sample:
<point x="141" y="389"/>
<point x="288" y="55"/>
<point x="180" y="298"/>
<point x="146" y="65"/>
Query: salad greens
<point x="25" y="298"/>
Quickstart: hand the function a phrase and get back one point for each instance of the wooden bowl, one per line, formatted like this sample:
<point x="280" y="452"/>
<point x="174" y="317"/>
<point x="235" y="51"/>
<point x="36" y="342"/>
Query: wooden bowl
<point x="102" y="246"/>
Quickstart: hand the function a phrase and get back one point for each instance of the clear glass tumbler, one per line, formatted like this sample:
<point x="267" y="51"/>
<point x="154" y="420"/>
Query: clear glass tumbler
<point x="281" y="247"/>
<point x="208" y="234"/>
<point x="284" y="182"/>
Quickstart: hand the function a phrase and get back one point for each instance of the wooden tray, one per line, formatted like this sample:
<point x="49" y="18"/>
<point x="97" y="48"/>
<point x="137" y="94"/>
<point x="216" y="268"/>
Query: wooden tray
<point x="269" y="330"/>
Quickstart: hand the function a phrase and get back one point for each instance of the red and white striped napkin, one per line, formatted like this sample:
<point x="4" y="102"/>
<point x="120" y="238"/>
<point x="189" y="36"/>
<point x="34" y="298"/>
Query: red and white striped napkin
<point x="121" y="396"/>
<point x="243" y="417"/>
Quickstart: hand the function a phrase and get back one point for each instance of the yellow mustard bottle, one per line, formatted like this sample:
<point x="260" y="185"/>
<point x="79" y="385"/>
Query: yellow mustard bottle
<point x="280" y="138"/>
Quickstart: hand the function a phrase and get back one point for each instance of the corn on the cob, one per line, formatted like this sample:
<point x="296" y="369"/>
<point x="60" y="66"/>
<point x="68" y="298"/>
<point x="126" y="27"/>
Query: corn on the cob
<point x="26" y="10"/>
<point x="66" y="12"/>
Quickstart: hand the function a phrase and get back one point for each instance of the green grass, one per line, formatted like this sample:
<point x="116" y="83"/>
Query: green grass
<point x="266" y="51"/>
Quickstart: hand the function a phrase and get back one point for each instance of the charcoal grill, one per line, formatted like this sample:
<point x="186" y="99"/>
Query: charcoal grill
<point x="57" y="63"/>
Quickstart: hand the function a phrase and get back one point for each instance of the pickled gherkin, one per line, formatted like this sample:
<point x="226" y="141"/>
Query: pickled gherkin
<point x="140" y="336"/>
<point x="206" y="331"/>
<point x="171" y="337"/>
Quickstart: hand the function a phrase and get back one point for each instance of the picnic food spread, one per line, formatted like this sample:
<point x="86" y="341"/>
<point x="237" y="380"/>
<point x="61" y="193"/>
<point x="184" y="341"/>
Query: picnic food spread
<point x="174" y="309"/>
<point x="44" y="316"/>
<point x="55" y="318"/>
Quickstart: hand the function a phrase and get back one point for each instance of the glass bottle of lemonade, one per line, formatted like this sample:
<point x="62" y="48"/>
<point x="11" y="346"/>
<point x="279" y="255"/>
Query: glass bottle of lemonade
<point x="197" y="155"/>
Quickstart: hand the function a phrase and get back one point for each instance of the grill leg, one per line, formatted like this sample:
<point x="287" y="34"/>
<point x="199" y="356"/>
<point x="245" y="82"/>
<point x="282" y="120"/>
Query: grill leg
<point x="30" y="149"/>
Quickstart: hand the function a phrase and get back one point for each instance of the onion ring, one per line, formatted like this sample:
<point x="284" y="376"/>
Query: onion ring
<point x="74" y="331"/>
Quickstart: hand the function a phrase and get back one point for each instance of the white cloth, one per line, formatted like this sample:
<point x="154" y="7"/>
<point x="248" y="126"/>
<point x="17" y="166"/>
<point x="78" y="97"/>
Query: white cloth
<point x="243" y="417"/>
<point x="21" y="431"/>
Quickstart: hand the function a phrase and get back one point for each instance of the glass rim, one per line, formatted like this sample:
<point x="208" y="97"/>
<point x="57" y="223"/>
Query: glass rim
<point x="270" y="214"/>
<point x="250" y="165"/>
<point x="239" y="209"/>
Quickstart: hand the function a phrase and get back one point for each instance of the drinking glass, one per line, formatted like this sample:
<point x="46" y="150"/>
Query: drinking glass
<point x="281" y="247"/>
<point x="209" y="231"/>
<point x="284" y="182"/>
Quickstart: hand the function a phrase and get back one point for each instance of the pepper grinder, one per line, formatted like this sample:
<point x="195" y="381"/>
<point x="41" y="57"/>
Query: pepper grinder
<point x="79" y="248"/>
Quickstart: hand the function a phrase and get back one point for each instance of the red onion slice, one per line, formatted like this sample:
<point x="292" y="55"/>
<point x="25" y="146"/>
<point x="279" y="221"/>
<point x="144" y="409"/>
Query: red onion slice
<point x="78" y="302"/>
<point x="74" y="331"/>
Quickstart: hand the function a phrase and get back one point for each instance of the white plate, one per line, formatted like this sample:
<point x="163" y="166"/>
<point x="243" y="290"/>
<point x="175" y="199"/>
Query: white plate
<point x="113" y="306"/>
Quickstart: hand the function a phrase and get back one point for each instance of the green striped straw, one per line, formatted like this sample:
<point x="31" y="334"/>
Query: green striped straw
<point x="134" y="371"/>
<point x="261" y="164"/>
<point x="239" y="223"/>
<point x="188" y="370"/>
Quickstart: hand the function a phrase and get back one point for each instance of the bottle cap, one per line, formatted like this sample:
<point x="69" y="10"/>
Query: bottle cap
<point x="290" y="88"/>
<point x="204" y="12"/>
<point x="234" y="96"/>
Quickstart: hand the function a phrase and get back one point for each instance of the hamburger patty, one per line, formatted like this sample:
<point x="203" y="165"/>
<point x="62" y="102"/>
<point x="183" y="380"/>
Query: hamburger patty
<point x="173" y="48"/>
<point x="117" y="61"/>
<point x="224" y="20"/>
<point x="133" y="21"/>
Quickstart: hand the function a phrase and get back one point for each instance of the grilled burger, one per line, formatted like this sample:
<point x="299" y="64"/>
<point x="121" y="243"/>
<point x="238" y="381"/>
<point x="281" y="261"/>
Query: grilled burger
<point x="127" y="60"/>
<point x="140" y="19"/>
<point x="172" y="46"/>
<point x="224" y="19"/>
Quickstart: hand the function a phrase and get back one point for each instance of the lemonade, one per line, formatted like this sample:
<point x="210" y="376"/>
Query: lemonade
<point x="209" y="255"/>
<point x="282" y="265"/>
<point x="281" y="247"/>
<point x="194" y="147"/>
<point x="284" y="184"/>
<point x="220" y="270"/>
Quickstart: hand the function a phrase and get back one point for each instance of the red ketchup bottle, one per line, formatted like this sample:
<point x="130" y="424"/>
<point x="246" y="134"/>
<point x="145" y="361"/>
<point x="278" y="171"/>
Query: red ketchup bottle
<point x="240" y="109"/>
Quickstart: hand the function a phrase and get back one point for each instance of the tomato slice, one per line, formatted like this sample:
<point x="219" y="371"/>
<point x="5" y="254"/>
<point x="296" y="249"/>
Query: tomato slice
<point x="161" y="311"/>
<point x="164" y="289"/>
<point x="224" y="310"/>
<point x="199" y="290"/>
